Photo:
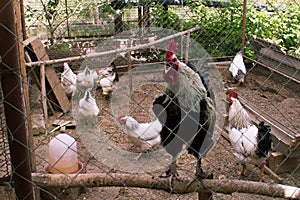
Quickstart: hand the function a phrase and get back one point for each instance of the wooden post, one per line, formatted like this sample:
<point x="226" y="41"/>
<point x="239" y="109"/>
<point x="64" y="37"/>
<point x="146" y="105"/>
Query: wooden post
<point x="43" y="91"/>
<point x="140" y="17"/>
<point x="129" y="71"/>
<point x="14" y="103"/>
<point x="187" y="47"/>
<point x="244" y="27"/>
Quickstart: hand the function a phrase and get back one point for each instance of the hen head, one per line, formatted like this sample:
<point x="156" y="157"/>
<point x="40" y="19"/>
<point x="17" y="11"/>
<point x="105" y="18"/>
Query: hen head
<point x="122" y="119"/>
<point x="234" y="95"/>
<point x="171" y="67"/>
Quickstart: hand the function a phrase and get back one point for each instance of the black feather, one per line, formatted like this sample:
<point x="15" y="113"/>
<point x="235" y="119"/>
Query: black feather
<point x="183" y="126"/>
<point x="264" y="139"/>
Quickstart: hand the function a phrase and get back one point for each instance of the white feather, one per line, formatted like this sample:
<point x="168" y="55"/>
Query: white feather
<point x="237" y="64"/>
<point x="68" y="80"/>
<point x="86" y="79"/>
<point x="87" y="106"/>
<point x="144" y="135"/>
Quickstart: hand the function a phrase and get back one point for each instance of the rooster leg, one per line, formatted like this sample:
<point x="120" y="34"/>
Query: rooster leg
<point x="200" y="174"/>
<point x="262" y="169"/>
<point x="138" y="157"/>
<point x="243" y="170"/>
<point x="171" y="172"/>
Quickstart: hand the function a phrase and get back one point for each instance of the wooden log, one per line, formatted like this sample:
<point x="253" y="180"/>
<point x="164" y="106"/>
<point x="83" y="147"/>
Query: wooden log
<point x="180" y="187"/>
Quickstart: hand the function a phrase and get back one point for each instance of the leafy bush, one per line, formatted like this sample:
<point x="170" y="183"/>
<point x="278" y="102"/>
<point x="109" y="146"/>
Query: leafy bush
<point x="221" y="32"/>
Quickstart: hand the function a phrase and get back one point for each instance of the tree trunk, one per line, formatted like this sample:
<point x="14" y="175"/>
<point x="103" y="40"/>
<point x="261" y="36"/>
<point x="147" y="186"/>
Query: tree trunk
<point x="145" y="181"/>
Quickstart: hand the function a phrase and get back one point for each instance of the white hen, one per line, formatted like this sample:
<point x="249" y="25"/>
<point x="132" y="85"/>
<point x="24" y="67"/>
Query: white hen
<point x="88" y="108"/>
<point x="107" y="80"/>
<point x="86" y="79"/>
<point x="68" y="80"/>
<point x="144" y="136"/>
<point x="238" y="69"/>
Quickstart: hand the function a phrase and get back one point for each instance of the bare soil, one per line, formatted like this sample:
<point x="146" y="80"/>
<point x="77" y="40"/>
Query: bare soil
<point x="280" y="102"/>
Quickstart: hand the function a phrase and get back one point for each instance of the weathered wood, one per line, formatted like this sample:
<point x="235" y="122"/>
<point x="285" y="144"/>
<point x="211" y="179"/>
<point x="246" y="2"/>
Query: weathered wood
<point x="280" y="57"/>
<point x="185" y="186"/>
<point x="20" y="35"/>
<point x="57" y="89"/>
<point x="43" y="92"/>
<point x="34" y="75"/>
<point x="280" y="163"/>
<point x="38" y="48"/>
<point x="128" y="56"/>
<point x="37" y="52"/>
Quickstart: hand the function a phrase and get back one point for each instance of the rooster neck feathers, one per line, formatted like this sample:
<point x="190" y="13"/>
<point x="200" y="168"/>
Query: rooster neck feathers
<point x="189" y="89"/>
<point x="238" y="117"/>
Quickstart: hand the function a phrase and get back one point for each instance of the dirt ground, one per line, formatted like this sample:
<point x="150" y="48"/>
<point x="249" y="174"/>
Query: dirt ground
<point x="280" y="102"/>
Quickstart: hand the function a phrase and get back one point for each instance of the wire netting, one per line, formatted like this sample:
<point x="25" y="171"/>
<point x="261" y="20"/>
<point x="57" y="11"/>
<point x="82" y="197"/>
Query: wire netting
<point x="118" y="65"/>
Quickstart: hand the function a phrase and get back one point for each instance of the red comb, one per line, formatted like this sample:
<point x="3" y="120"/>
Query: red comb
<point x="233" y="94"/>
<point x="120" y="116"/>
<point x="173" y="46"/>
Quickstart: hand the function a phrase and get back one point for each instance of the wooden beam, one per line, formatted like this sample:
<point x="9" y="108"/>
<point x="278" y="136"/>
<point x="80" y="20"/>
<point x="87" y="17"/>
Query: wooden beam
<point x="225" y="186"/>
<point x="116" y="51"/>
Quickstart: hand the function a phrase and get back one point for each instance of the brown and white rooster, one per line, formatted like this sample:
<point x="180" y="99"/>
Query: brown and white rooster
<point x="186" y="110"/>
<point x="145" y="136"/>
<point x="251" y="143"/>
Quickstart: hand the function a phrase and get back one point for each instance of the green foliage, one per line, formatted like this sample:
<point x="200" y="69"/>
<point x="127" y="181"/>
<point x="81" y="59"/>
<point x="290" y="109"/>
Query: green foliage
<point x="221" y="32"/>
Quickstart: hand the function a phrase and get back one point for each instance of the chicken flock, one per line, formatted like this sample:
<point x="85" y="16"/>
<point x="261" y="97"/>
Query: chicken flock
<point x="185" y="113"/>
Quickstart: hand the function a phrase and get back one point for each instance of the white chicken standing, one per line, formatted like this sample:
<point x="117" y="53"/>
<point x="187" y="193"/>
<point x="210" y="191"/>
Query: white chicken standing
<point x="68" y="80"/>
<point x="238" y="69"/>
<point x="86" y="79"/>
<point x="88" y="109"/>
<point x="252" y="144"/>
<point x="107" y="80"/>
<point x="144" y="136"/>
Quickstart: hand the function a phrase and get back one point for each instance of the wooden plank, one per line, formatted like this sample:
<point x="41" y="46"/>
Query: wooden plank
<point x="39" y="50"/>
<point x="57" y="89"/>
<point x="281" y="58"/>
<point x="279" y="163"/>
<point x="55" y="92"/>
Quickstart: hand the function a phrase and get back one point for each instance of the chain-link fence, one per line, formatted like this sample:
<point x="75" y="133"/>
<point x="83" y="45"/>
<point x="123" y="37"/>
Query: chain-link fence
<point x="137" y="99"/>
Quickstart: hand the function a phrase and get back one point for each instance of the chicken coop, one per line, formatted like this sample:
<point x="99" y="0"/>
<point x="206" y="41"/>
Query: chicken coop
<point x="163" y="99"/>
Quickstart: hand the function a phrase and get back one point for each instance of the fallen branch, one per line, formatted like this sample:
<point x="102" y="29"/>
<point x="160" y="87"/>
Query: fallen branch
<point x="136" y="180"/>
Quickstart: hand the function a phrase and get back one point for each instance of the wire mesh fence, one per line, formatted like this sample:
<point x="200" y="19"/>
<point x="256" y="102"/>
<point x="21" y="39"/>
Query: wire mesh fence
<point x="106" y="116"/>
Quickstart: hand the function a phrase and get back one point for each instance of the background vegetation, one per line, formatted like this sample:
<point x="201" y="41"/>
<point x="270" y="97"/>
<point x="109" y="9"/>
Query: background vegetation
<point x="221" y="32"/>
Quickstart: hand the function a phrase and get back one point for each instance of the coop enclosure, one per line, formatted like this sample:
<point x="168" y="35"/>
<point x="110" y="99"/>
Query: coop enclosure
<point x="39" y="37"/>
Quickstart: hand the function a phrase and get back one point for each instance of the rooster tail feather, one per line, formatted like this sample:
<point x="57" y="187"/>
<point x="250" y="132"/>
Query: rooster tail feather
<point x="264" y="139"/>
